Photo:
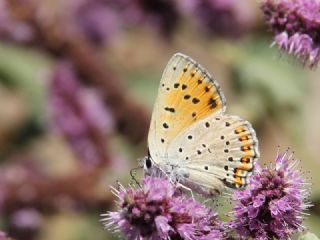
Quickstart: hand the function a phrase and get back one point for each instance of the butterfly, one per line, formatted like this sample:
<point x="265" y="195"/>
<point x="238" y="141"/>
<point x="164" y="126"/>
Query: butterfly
<point x="191" y="138"/>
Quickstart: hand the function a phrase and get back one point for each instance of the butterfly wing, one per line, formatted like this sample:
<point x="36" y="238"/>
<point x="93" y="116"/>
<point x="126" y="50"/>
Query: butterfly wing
<point x="187" y="94"/>
<point x="216" y="151"/>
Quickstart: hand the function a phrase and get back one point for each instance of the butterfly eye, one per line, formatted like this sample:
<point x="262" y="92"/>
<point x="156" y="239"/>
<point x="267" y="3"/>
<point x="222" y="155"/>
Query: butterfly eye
<point x="148" y="163"/>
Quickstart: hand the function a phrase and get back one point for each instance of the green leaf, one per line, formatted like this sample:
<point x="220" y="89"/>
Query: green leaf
<point x="23" y="70"/>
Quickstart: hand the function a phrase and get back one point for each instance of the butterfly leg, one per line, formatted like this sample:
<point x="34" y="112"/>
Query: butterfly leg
<point x="134" y="180"/>
<point x="186" y="188"/>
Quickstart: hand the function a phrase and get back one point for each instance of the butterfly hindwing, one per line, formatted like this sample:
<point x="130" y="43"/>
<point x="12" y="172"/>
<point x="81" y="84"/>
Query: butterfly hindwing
<point x="220" y="147"/>
<point x="187" y="94"/>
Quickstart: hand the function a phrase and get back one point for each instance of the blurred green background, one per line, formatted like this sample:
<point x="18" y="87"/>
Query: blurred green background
<point x="278" y="95"/>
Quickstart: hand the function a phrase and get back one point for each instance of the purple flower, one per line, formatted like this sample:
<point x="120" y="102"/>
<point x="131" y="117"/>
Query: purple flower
<point x="273" y="204"/>
<point x="11" y="29"/>
<point x="80" y="115"/>
<point x="229" y="18"/>
<point x="158" y="210"/>
<point x="100" y="20"/>
<point x="3" y="236"/>
<point x="97" y="19"/>
<point x="296" y="25"/>
<point x="27" y="218"/>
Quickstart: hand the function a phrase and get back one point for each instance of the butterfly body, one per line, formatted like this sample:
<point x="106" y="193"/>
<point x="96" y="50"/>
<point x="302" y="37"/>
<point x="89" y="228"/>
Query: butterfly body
<point x="191" y="139"/>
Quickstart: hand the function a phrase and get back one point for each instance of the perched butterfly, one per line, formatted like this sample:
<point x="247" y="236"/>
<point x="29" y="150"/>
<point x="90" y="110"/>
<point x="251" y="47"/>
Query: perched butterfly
<point x="191" y="139"/>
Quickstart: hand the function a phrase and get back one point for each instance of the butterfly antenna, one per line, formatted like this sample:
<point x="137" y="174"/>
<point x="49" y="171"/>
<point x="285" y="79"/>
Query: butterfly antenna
<point x="133" y="177"/>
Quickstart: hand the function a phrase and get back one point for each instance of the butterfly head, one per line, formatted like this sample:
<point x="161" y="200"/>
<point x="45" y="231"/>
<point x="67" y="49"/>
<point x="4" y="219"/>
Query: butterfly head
<point x="151" y="168"/>
<point x="147" y="164"/>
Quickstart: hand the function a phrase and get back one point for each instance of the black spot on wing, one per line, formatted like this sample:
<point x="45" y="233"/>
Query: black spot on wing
<point x="195" y="100"/>
<point x="212" y="103"/>
<point x="169" y="109"/>
<point x="186" y="97"/>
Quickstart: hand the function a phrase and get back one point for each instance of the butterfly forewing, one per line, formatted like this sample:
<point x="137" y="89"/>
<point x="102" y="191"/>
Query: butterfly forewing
<point x="186" y="95"/>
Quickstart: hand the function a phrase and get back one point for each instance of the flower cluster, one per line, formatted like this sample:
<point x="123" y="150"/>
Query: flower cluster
<point x="272" y="207"/>
<point x="158" y="210"/>
<point x="12" y="29"/>
<point x="273" y="204"/>
<point x="100" y="20"/>
<point x="80" y="115"/>
<point x="3" y="236"/>
<point x="97" y="20"/>
<point x="296" y="24"/>
<point x="228" y="18"/>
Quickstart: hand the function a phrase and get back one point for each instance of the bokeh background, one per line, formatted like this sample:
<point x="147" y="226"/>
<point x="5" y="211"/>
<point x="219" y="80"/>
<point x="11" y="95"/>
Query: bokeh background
<point x="78" y="80"/>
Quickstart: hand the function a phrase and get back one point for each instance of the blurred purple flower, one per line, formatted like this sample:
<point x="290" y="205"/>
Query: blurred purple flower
<point x="273" y="204"/>
<point x="162" y="14"/>
<point x="79" y="114"/>
<point x="98" y="20"/>
<point x="229" y="18"/>
<point x="27" y="218"/>
<point x="12" y="29"/>
<point x="296" y="25"/>
<point x="158" y="210"/>
<point x="102" y="19"/>
<point x="3" y="236"/>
